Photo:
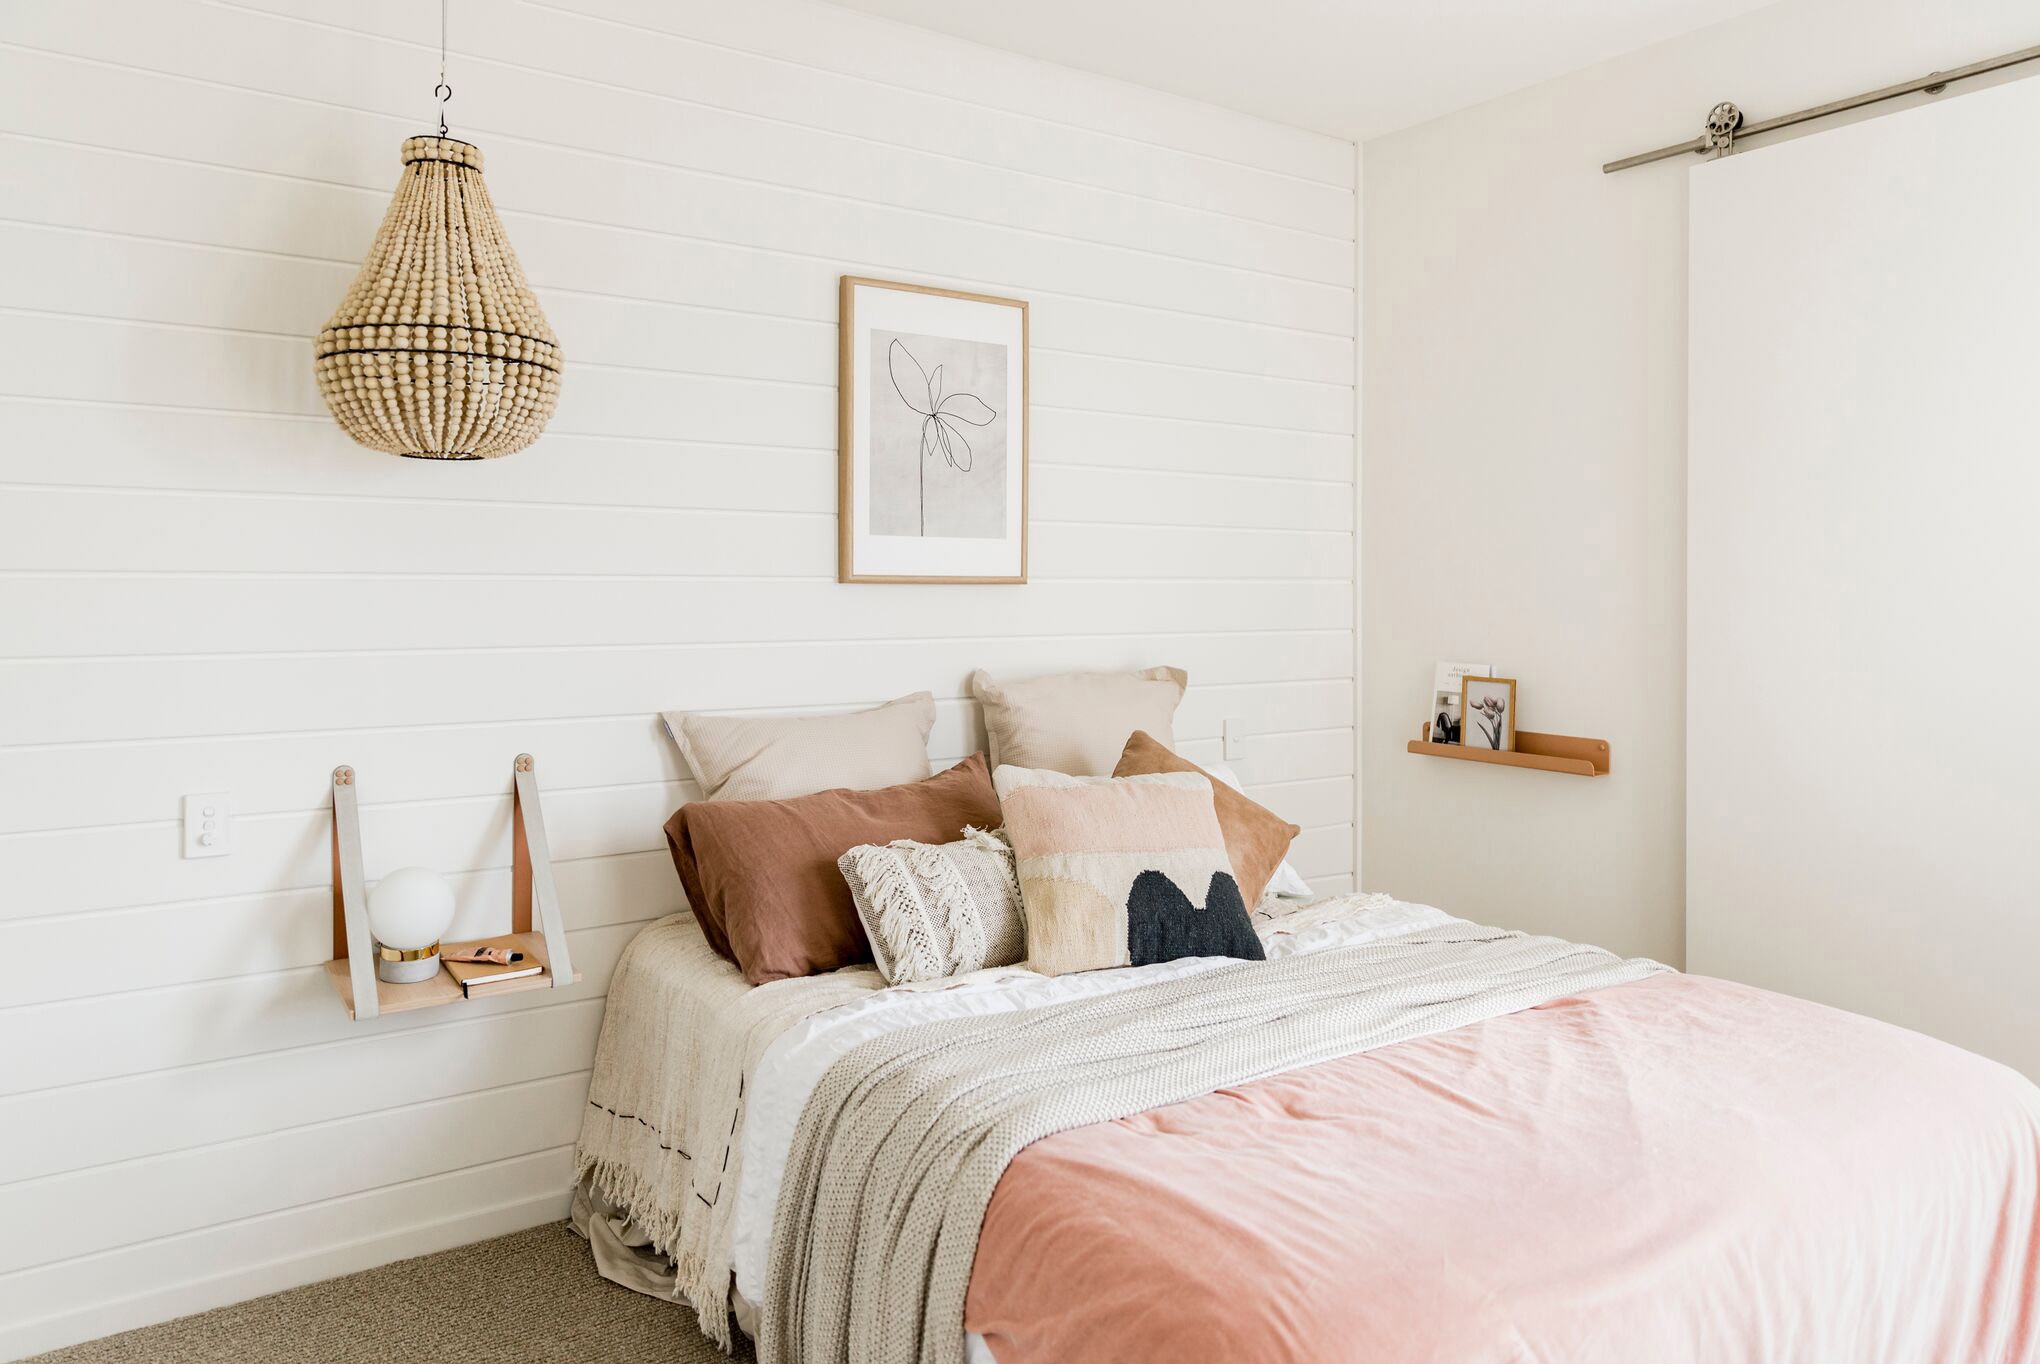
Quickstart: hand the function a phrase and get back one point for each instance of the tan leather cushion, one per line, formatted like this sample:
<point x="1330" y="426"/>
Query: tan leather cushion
<point x="771" y="757"/>
<point x="1256" y="838"/>
<point x="1076" y="722"/>
<point x="762" y="877"/>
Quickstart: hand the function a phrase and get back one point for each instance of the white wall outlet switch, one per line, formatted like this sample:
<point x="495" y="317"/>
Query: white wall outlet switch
<point x="209" y="824"/>
<point x="1235" y="738"/>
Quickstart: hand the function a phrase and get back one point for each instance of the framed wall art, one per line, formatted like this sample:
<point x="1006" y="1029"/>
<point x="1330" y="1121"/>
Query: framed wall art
<point x="932" y="436"/>
<point x="1487" y="707"/>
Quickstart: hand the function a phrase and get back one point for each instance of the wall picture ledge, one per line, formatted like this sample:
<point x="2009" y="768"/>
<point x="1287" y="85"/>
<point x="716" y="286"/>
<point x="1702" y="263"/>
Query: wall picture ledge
<point x="932" y="435"/>
<point x="440" y="350"/>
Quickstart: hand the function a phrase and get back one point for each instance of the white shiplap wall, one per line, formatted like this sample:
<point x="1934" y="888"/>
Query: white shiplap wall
<point x="203" y="585"/>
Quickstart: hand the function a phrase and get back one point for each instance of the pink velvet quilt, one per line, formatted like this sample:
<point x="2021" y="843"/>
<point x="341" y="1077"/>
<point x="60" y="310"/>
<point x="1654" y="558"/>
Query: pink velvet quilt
<point x="1677" y="1169"/>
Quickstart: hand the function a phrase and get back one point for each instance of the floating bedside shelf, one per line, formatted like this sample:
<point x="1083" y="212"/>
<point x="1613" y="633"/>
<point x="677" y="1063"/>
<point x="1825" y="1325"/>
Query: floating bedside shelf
<point x="532" y="897"/>
<point x="443" y="988"/>
<point x="1541" y="752"/>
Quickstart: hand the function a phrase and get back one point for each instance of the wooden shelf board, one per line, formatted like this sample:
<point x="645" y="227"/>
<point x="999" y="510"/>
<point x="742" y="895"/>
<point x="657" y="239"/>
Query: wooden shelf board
<point x="1565" y="753"/>
<point x="443" y="988"/>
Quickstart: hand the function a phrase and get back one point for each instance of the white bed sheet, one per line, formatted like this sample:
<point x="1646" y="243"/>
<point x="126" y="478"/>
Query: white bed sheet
<point x="797" y="1060"/>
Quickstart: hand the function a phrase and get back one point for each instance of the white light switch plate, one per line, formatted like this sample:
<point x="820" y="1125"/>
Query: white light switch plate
<point x="1235" y="738"/>
<point x="209" y="824"/>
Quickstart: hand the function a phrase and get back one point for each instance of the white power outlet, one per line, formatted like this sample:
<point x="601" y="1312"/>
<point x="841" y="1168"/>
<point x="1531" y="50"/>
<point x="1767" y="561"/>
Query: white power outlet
<point x="1235" y="738"/>
<point x="209" y="824"/>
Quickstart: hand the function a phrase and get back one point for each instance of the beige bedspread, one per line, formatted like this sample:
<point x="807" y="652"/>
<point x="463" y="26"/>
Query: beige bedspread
<point x="665" y="1104"/>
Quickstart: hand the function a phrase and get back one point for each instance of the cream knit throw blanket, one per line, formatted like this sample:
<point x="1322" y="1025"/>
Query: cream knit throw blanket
<point x="665" y="1105"/>
<point x="900" y="1146"/>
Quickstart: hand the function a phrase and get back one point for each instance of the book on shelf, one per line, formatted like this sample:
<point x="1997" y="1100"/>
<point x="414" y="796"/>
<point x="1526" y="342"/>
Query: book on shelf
<point x="477" y="977"/>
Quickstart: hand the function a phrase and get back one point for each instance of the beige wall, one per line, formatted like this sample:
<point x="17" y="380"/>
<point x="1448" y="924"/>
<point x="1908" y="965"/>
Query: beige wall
<point x="1523" y="479"/>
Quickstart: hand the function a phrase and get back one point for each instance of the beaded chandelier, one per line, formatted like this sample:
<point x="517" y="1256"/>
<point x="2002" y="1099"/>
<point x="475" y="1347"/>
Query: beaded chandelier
<point x="439" y="350"/>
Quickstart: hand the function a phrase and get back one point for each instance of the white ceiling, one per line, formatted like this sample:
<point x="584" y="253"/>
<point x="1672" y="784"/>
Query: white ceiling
<point x="1352" y="68"/>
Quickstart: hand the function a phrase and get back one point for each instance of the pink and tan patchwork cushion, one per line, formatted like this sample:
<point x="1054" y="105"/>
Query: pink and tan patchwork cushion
<point x="1121" y="871"/>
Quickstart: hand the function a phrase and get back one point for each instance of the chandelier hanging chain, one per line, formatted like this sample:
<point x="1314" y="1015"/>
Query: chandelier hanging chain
<point x="442" y="91"/>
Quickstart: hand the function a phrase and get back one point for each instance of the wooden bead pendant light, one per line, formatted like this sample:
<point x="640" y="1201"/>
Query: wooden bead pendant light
<point x="439" y="350"/>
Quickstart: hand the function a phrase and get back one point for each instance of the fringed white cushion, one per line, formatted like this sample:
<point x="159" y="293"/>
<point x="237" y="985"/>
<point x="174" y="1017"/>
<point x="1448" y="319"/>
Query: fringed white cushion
<point x="935" y="910"/>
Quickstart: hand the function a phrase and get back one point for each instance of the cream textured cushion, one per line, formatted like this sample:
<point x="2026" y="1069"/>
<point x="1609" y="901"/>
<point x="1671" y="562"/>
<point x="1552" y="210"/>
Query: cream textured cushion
<point x="1077" y="722"/>
<point x="937" y="909"/>
<point x="773" y="757"/>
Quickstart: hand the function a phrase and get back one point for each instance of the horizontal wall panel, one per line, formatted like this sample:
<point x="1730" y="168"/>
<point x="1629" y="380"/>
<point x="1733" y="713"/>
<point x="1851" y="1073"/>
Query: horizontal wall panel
<point x="120" y="531"/>
<point x="1307" y="804"/>
<point x="172" y="1276"/>
<point x="98" y="699"/>
<point x="143" y="944"/>
<point x="48" y="356"/>
<point x="138" y="446"/>
<point x="205" y="586"/>
<point x="1298" y="755"/>
<point x="280" y="853"/>
<point x="66" y="786"/>
<point x="85" y="1125"/>
<point x="516" y="91"/>
<point x="165" y="1195"/>
<point x="1322" y="855"/>
<point x="148" y="281"/>
<point x="57" y="182"/>
<point x="108" y="1036"/>
<point x="738" y="77"/>
<point x="606" y="844"/>
<point x="53" y="356"/>
<point x="966" y="73"/>
<point x="79" y="617"/>
<point x="254" y="131"/>
<point x="118" y="446"/>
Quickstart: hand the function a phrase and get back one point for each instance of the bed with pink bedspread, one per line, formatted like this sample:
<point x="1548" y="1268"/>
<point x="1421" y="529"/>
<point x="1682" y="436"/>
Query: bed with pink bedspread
<point x="1674" y="1168"/>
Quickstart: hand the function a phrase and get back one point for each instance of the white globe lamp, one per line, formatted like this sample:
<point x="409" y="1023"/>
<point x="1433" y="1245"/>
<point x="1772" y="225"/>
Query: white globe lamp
<point x="407" y="912"/>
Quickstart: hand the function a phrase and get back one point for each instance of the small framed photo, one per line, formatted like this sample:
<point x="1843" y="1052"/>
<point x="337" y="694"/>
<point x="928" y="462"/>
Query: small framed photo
<point x="1444" y="716"/>
<point x="932" y="436"/>
<point x="1489" y="707"/>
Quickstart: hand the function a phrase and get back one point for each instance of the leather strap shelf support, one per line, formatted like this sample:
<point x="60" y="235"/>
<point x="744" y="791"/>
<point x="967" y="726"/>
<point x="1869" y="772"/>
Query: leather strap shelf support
<point x="534" y="904"/>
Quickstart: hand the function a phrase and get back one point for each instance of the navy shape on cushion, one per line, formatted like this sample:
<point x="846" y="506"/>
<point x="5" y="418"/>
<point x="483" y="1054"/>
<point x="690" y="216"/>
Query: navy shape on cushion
<point x="1162" y="924"/>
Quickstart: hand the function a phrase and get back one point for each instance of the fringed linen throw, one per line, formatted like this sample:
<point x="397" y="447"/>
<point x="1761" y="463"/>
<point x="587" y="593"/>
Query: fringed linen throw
<point x="659" y="1136"/>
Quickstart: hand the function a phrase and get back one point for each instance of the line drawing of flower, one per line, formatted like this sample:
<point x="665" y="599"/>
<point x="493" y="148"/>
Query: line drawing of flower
<point x="940" y="433"/>
<point x="1487" y="713"/>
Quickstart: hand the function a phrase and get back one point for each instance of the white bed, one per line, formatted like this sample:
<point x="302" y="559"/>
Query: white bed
<point x="776" y="1088"/>
<point x="1657" y="1136"/>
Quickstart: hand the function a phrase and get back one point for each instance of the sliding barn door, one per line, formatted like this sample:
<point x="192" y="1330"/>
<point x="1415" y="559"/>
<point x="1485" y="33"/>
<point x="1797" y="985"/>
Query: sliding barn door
<point x="1863" y="689"/>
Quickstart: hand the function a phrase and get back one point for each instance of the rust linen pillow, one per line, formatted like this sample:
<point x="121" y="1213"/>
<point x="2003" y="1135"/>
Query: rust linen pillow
<point x="762" y="876"/>
<point x="1076" y="722"/>
<point x="1256" y="838"/>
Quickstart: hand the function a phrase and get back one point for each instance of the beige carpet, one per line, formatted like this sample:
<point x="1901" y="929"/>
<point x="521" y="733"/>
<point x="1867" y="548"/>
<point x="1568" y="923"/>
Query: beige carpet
<point x="532" y="1297"/>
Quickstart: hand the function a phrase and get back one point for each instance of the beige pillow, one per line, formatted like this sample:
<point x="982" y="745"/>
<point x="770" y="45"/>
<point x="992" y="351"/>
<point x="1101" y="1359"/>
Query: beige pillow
<point x="773" y="757"/>
<point x="1077" y="722"/>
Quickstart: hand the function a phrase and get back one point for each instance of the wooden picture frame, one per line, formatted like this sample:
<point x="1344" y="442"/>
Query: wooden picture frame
<point x="1476" y="730"/>
<point x="930" y="422"/>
